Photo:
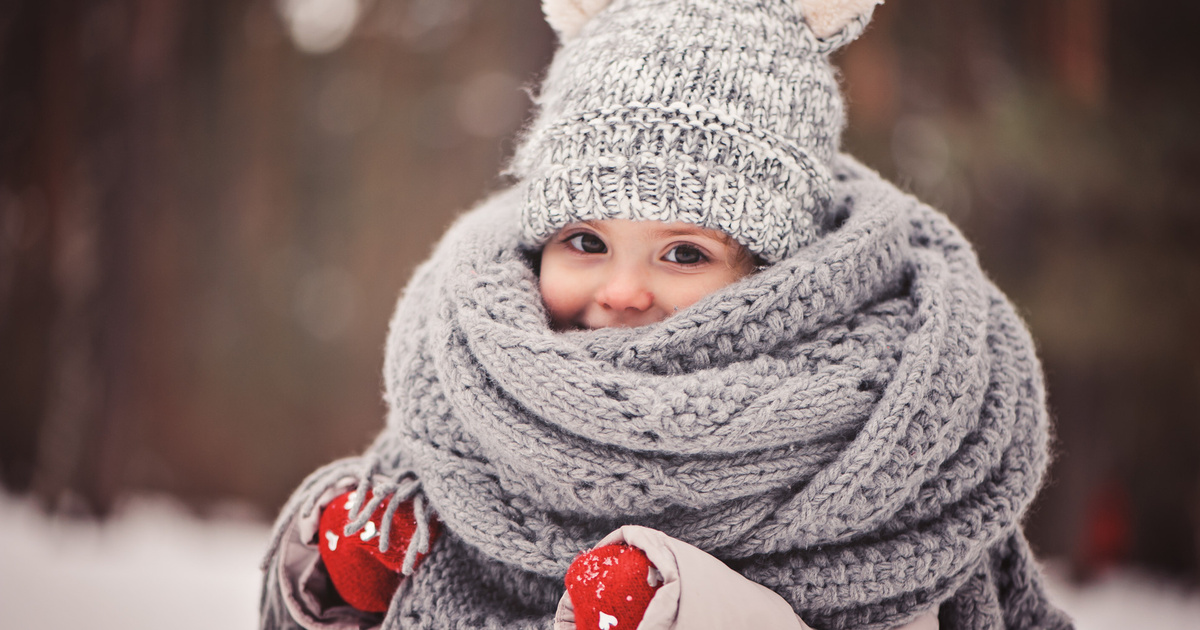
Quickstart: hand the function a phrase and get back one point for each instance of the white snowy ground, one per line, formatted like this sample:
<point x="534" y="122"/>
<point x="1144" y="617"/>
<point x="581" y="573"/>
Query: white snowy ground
<point x="154" y="566"/>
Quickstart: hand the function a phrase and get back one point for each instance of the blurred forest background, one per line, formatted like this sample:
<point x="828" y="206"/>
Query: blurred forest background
<point x="208" y="209"/>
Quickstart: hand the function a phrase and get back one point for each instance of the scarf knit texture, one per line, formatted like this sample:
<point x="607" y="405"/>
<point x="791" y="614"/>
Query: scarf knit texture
<point x="859" y="427"/>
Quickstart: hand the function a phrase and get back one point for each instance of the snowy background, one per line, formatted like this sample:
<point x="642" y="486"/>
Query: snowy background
<point x="153" y="562"/>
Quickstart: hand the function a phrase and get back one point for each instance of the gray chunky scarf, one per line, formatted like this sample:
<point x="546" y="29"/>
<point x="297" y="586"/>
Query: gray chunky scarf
<point x="859" y="427"/>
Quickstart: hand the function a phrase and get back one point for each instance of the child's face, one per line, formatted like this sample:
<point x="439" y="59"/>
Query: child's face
<point x="618" y="272"/>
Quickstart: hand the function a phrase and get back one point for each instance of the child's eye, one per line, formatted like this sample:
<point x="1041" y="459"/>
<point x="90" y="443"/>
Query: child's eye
<point x="685" y="255"/>
<point x="587" y="243"/>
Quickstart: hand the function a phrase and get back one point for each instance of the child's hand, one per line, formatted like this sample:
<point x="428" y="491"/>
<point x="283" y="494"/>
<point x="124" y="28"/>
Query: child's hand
<point x="364" y="576"/>
<point x="611" y="586"/>
<point x="635" y="577"/>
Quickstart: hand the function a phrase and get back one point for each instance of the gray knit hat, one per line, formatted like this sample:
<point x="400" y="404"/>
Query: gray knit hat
<point x="721" y="113"/>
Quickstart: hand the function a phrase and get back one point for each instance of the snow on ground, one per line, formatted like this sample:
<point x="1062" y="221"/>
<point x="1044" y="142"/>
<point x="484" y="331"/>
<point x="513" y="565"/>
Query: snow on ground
<point x="1128" y="600"/>
<point x="153" y="565"/>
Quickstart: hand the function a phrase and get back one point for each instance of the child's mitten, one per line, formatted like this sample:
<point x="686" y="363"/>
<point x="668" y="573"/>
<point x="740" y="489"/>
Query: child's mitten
<point x="611" y="586"/>
<point x="364" y="576"/>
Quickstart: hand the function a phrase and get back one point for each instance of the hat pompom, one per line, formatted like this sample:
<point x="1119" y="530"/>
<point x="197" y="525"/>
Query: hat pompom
<point x="828" y="18"/>
<point x="567" y="17"/>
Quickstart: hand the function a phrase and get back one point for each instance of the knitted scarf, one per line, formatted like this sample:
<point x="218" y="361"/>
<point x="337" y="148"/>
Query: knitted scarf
<point x="859" y="427"/>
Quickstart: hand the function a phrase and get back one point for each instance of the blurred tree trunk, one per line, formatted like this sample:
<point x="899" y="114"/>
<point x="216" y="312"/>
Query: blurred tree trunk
<point x="28" y="300"/>
<point x="101" y="73"/>
<point x="74" y="382"/>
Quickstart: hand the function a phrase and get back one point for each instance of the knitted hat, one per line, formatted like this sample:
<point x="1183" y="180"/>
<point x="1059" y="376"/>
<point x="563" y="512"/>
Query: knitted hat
<point x="721" y="113"/>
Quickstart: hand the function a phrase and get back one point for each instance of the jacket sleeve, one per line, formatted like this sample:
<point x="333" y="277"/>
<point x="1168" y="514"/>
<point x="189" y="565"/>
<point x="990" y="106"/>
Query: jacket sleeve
<point x="297" y="592"/>
<point x="700" y="593"/>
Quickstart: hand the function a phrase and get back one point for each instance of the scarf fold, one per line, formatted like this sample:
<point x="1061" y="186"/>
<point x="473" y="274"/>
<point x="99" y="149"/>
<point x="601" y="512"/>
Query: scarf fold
<point x="859" y="427"/>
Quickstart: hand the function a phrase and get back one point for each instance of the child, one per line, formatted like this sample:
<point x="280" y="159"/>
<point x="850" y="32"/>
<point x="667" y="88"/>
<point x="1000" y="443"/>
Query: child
<point x="695" y="328"/>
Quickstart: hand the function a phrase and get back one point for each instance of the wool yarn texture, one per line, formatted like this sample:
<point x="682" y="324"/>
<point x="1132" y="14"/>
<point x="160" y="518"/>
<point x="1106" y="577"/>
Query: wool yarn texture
<point x="721" y="113"/>
<point x="859" y="427"/>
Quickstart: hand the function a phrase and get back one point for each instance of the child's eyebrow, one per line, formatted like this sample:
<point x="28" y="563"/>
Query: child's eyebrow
<point x="667" y="232"/>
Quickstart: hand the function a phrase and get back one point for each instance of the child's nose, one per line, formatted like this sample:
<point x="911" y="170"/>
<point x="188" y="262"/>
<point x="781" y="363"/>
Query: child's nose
<point x="626" y="289"/>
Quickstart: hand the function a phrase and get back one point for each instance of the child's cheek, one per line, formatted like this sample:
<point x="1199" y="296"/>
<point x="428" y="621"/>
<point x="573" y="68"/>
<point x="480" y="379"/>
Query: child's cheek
<point x="562" y="297"/>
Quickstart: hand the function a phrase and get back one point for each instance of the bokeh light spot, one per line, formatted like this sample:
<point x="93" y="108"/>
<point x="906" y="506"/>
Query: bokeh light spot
<point x="319" y="26"/>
